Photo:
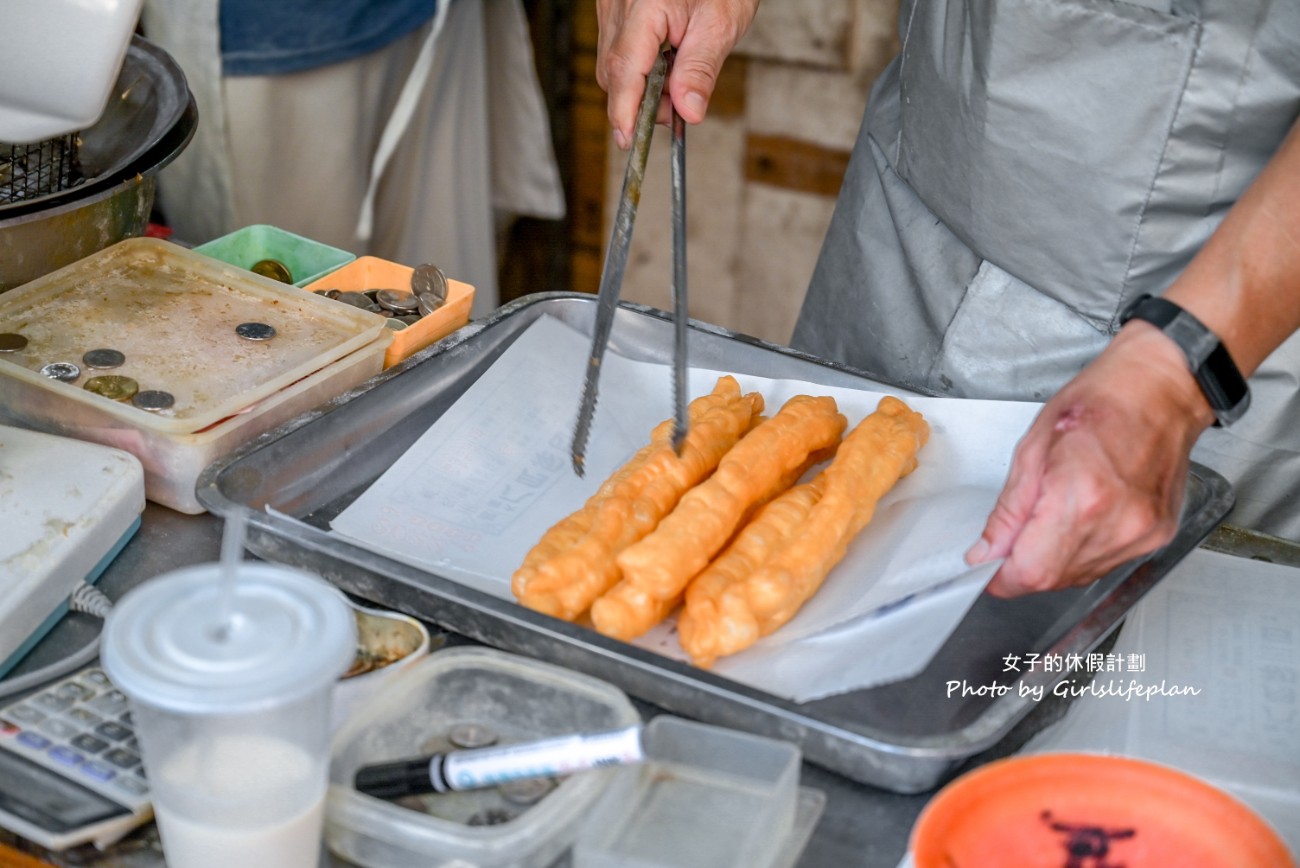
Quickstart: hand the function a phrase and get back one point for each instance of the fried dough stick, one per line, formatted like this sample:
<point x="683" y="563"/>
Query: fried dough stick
<point x="873" y="457"/>
<point x="568" y="569"/>
<point x="628" y="611"/>
<point x="715" y="622"/>
<point x="681" y="546"/>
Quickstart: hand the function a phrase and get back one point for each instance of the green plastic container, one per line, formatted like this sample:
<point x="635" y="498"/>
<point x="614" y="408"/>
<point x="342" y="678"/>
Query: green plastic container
<point x="305" y="259"/>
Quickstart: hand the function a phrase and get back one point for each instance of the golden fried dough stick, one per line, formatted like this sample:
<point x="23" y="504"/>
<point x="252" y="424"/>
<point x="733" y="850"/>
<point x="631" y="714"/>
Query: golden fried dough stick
<point x="564" y="583"/>
<point x="565" y="534"/>
<point x="568" y="531"/>
<point x="714" y="622"/>
<point x="625" y="611"/>
<point x="628" y="611"/>
<point x="873" y="457"/>
<point x="705" y="518"/>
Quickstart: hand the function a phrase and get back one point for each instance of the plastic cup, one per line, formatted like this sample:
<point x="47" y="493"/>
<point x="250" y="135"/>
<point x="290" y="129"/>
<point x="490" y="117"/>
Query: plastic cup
<point x="233" y="730"/>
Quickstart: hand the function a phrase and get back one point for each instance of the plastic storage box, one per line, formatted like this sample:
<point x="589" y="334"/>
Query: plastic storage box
<point x="173" y="315"/>
<point x="371" y="272"/>
<point x="706" y="797"/>
<point x="306" y="259"/>
<point x="513" y="698"/>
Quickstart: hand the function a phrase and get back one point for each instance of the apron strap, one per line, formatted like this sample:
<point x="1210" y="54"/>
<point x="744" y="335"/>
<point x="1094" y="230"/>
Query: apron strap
<point x="398" y="121"/>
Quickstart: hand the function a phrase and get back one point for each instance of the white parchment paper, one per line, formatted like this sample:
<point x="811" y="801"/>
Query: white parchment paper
<point x="475" y="492"/>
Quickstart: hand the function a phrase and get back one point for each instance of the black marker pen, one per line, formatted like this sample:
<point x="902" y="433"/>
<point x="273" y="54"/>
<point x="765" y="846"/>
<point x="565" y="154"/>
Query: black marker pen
<point x="487" y="767"/>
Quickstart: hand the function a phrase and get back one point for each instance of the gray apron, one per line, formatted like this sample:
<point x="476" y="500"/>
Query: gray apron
<point x="1027" y="167"/>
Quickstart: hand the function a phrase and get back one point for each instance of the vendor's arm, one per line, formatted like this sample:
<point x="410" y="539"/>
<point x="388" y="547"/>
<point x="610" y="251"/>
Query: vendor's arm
<point x="631" y="33"/>
<point x="1099" y="477"/>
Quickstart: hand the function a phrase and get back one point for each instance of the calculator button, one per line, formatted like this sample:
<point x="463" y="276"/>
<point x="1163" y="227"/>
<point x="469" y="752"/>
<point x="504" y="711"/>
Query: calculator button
<point x="66" y="755"/>
<point x="58" y="728"/>
<point x="114" y="731"/>
<point x="73" y="691"/>
<point x="50" y="702"/>
<point x="96" y="677"/>
<point x="99" y="771"/>
<point x="26" y="714"/>
<point x="132" y="786"/>
<point x="31" y="739"/>
<point x="111" y="702"/>
<point x="84" y="718"/>
<point x="123" y="759"/>
<point x="88" y="743"/>
<point x="7" y="728"/>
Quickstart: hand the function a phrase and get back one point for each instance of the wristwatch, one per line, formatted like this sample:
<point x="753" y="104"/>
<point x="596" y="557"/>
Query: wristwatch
<point x="1215" y="371"/>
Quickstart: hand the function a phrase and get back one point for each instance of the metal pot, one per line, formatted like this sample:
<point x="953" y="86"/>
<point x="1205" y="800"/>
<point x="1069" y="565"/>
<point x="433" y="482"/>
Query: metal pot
<point x="148" y="123"/>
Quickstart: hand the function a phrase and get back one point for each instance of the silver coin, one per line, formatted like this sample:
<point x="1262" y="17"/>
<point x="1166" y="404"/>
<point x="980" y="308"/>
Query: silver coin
<point x="255" y="331"/>
<point x="526" y="791"/>
<point x="429" y="280"/>
<point x="103" y="359"/>
<point x="154" y="400"/>
<point x="471" y="735"/>
<point x="12" y="343"/>
<point x="64" y="372"/>
<point x="395" y="324"/>
<point x="410" y="319"/>
<point x="397" y="300"/>
<point x="428" y="304"/>
<point x="356" y="299"/>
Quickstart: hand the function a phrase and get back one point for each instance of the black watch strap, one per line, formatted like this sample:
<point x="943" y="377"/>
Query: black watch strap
<point x="1215" y="371"/>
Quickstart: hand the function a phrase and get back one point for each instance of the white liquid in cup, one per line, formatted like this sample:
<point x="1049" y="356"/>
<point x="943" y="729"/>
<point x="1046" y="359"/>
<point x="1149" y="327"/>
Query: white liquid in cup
<point x="290" y="844"/>
<point x="279" y="794"/>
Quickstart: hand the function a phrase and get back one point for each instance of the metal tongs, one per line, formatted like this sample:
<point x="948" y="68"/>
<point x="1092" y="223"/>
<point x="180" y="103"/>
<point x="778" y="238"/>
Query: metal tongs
<point x="611" y="277"/>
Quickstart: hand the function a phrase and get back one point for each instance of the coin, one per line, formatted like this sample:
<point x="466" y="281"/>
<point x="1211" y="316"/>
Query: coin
<point x="12" y="343"/>
<point x="255" y="331"/>
<point x="112" y="386"/>
<point x="65" y="372"/>
<point x="397" y="300"/>
<point x="395" y="324"/>
<point x="471" y="735"/>
<point x="526" y="791"/>
<point x="154" y="400"/>
<point x="429" y="280"/>
<point x="103" y="359"/>
<point x="274" y="269"/>
<point x="356" y="299"/>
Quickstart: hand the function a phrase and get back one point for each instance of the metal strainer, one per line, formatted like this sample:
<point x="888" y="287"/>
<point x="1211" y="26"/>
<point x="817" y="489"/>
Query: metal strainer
<point x="33" y="170"/>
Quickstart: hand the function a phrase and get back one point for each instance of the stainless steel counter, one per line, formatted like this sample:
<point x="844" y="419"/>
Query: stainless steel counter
<point x="861" y="825"/>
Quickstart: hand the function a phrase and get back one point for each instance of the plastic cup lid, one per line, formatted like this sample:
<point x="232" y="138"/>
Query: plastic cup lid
<point x="290" y="634"/>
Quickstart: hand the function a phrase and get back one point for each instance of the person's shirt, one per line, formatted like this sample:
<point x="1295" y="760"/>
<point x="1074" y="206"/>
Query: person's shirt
<point x="284" y="36"/>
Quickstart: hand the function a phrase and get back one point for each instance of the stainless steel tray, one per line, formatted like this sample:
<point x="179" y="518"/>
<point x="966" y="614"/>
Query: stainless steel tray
<point x="906" y="736"/>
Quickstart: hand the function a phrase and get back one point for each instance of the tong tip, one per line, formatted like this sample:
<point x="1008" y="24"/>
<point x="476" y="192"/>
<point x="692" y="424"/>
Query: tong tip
<point x="679" y="437"/>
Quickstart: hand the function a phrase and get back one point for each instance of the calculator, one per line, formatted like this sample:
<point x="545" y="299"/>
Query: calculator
<point x="70" y="769"/>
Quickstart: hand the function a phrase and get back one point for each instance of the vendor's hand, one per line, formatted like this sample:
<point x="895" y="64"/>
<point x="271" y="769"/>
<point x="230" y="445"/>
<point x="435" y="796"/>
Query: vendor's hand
<point x="1099" y="477"/>
<point x="631" y="34"/>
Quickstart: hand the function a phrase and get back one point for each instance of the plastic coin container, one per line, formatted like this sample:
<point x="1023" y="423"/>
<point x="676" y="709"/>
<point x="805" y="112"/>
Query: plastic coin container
<point x="371" y="272"/>
<point x="173" y="317"/>
<point x="515" y="698"/>
<point x="303" y="258"/>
